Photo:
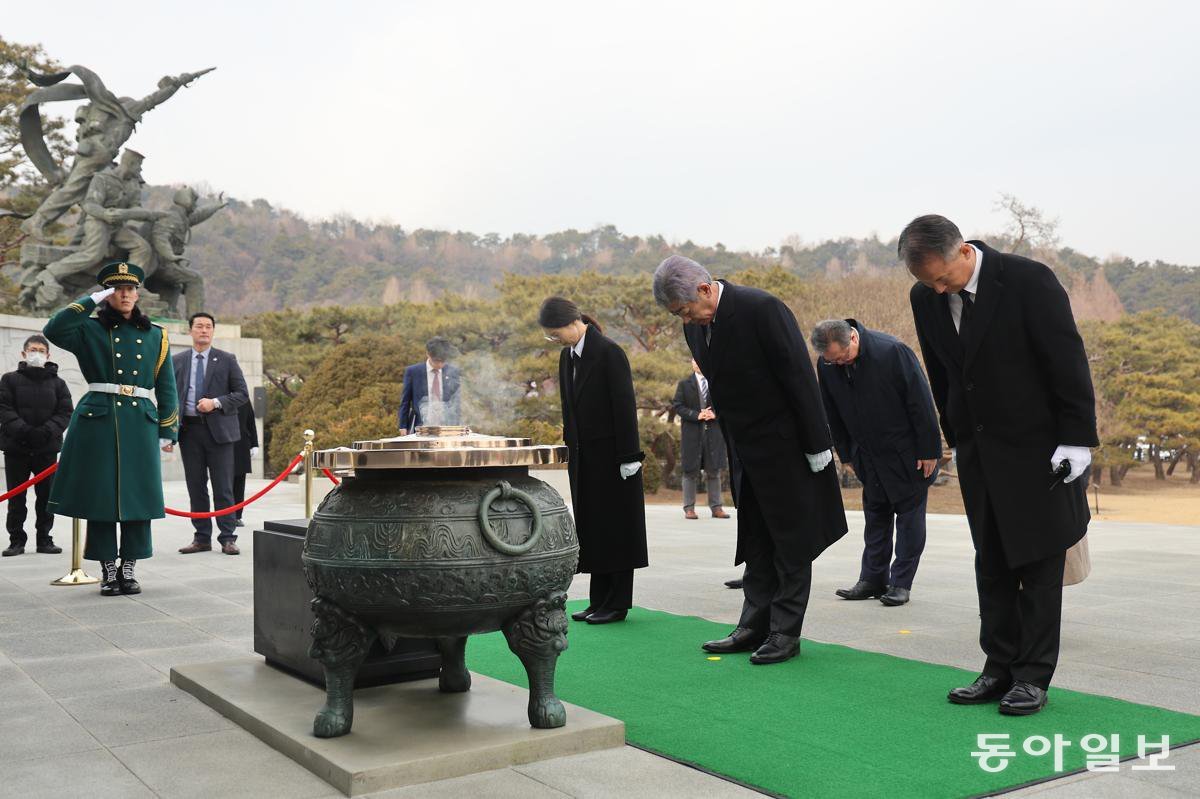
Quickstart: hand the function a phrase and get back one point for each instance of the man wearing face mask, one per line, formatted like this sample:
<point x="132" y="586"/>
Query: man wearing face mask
<point x="35" y="408"/>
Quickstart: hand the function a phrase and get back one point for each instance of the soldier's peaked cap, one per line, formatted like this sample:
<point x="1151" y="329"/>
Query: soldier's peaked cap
<point x="120" y="273"/>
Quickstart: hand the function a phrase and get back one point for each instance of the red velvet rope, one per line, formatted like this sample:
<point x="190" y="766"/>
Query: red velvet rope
<point x="52" y="468"/>
<point x="329" y="474"/>
<point x="232" y="508"/>
<point x="37" y="478"/>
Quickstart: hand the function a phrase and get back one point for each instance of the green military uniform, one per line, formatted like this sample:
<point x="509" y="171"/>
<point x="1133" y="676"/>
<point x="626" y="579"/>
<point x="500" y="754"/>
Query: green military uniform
<point x="109" y="470"/>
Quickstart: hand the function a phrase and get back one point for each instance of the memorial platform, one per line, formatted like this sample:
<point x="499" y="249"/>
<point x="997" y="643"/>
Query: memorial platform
<point x="404" y="734"/>
<point x="86" y="695"/>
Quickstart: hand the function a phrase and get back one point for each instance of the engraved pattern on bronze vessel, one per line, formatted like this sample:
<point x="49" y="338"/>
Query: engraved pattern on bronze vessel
<point x="443" y="588"/>
<point x="541" y="629"/>
<point x="338" y="636"/>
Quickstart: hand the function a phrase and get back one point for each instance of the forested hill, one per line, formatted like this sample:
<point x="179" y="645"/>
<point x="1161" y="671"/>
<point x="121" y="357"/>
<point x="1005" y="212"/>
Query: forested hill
<point x="278" y="259"/>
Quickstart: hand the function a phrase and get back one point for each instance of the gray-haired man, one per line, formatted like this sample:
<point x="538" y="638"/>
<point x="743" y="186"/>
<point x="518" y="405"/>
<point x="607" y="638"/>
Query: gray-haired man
<point x="764" y="391"/>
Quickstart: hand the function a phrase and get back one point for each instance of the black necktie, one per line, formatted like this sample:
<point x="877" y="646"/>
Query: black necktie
<point x="574" y="367"/>
<point x="968" y="309"/>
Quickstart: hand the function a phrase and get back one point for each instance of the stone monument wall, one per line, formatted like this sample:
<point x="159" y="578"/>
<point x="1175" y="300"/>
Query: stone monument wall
<point x="15" y="329"/>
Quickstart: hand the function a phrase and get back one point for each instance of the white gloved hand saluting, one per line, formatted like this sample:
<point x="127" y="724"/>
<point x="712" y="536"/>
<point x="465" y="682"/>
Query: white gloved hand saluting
<point x="100" y="296"/>
<point x="630" y="469"/>
<point x="820" y="460"/>
<point x="1079" y="457"/>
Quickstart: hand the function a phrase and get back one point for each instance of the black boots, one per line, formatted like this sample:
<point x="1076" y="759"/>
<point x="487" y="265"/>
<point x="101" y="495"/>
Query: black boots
<point x="129" y="585"/>
<point x="13" y="549"/>
<point x="110" y="584"/>
<point x="47" y="547"/>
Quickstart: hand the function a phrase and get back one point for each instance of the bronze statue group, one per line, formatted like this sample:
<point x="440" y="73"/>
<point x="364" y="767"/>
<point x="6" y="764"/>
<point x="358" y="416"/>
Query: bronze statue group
<point x="1008" y="385"/>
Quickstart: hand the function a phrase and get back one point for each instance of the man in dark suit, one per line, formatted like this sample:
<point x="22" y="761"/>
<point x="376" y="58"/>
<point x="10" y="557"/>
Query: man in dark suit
<point x="211" y="389"/>
<point x="764" y="390"/>
<point x="885" y="428"/>
<point x="701" y="444"/>
<point x="243" y="455"/>
<point x="1012" y="386"/>
<point x="431" y="393"/>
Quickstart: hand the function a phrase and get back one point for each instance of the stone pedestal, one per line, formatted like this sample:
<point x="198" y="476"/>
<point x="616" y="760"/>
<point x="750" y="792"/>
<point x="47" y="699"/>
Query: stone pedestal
<point x="404" y="734"/>
<point x="283" y="617"/>
<point x="15" y="329"/>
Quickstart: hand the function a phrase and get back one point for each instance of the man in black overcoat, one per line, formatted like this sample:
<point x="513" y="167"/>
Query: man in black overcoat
<point x="243" y="455"/>
<point x="764" y="390"/>
<point x="700" y="443"/>
<point x="1014" y="392"/>
<point x="600" y="429"/>
<point x="35" y="409"/>
<point x="884" y="426"/>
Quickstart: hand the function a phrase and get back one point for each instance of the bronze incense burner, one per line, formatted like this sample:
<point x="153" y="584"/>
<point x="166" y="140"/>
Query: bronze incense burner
<point x="439" y="534"/>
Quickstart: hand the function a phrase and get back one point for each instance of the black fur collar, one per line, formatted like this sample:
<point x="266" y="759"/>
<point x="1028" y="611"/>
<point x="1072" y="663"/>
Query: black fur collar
<point x="110" y="318"/>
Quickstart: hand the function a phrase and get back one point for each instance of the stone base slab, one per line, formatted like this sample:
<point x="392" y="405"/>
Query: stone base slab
<point x="404" y="734"/>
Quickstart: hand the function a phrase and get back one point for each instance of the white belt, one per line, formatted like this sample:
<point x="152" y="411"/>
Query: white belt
<point x="121" y="390"/>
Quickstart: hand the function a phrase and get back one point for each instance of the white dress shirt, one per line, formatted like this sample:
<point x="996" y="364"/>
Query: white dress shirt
<point x="956" y="303"/>
<point x="434" y="410"/>
<point x="578" y="348"/>
<point x="194" y="391"/>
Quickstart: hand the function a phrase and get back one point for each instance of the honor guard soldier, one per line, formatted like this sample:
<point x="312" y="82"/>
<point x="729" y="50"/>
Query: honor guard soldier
<point x="109" y="471"/>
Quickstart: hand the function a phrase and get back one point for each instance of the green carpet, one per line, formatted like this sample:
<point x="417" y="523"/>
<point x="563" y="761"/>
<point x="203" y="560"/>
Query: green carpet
<point x="833" y="722"/>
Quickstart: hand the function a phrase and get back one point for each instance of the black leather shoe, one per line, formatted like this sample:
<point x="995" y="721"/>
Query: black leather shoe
<point x="984" y="689"/>
<point x="606" y="616"/>
<point x="239" y="523"/>
<point x="1023" y="699"/>
<point x="581" y="615"/>
<point x="110" y="581"/>
<point x="129" y="583"/>
<point x="15" y="549"/>
<point x="734" y="583"/>
<point x="776" y="649"/>
<point x="49" y="548"/>
<point x="861" y="590"/>
<point x="742" y="639"/>
<point x="895" y="597"/>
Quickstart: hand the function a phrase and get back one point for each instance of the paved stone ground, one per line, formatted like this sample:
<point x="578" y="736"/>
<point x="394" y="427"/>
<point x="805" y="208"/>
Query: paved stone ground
<point x="83" y="679"/>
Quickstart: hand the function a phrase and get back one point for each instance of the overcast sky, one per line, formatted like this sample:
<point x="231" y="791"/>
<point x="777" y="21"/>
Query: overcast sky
<point x="740" y="122"/>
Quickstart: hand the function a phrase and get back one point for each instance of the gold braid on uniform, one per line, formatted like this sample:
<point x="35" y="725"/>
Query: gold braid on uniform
<point x="170" y="420"/>
<point x="76" y="307"/>
<point x="163" y="351"/>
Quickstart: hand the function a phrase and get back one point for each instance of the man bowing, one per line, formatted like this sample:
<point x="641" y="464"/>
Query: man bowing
<point x="764" y="391"/>
<point x="1014" y="393"/>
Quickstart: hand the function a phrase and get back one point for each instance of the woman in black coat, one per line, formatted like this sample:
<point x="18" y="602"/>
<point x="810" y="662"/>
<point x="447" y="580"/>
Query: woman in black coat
<point x="601" y="432"/>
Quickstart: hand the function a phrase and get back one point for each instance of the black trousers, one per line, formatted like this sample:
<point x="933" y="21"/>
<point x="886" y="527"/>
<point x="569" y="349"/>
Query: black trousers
<point x="19" y="467"/>
<point x="203" y="460"/>
<point x="776" y="588"/>
<point x="611" y="590"/>
<point x="881" y="515"/>
<point x="1020" y="609"/>
<point x="239" y="492"/>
